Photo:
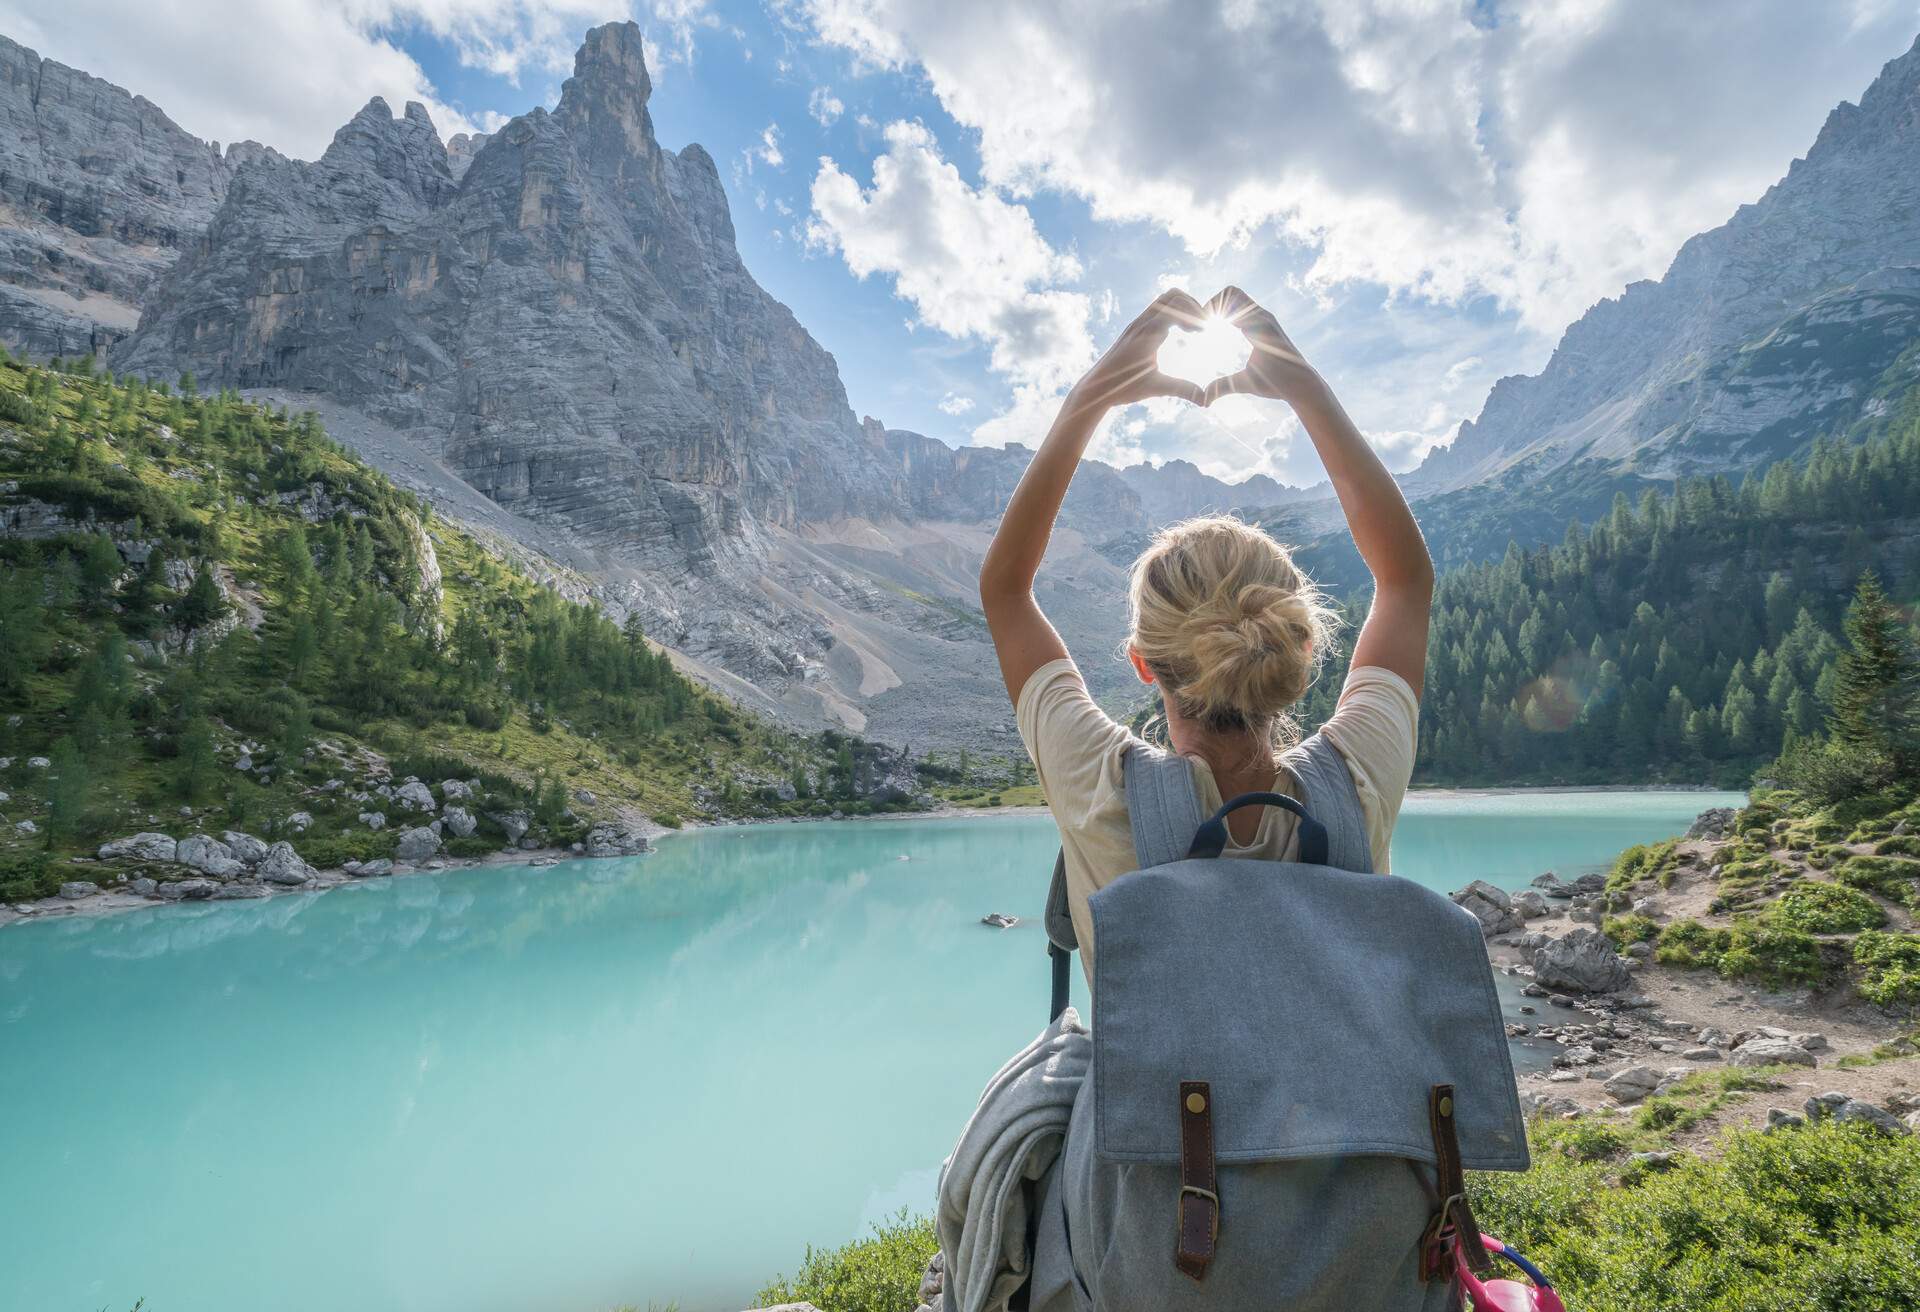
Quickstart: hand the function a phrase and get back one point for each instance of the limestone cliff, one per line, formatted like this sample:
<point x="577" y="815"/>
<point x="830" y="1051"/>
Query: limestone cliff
<point x="99" y="193"/>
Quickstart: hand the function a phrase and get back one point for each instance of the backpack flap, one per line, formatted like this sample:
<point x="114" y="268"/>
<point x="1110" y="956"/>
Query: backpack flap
<point x="1321" y="1006"/>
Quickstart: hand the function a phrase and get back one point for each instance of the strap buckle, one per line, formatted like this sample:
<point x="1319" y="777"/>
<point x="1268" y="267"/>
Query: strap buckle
<point x="1211" y="1197"/>
<point x="1440" y="1240"/>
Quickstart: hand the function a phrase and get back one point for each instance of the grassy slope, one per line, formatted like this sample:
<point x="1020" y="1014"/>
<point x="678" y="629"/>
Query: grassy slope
<point x="137" y="464"/>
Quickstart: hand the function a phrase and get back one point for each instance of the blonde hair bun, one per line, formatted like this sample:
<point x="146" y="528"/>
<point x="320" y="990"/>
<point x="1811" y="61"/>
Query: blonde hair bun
<point x="1229" y="625"/>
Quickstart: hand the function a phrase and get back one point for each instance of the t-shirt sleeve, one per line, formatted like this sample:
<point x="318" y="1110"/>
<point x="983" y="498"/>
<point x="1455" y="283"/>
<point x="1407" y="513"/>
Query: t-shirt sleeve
<point x="1374" y="728"/>
<point x="1073" y="743"/>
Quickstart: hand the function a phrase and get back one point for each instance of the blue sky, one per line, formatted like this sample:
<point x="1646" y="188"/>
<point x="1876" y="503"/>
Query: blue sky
<point x="964" y="202"/>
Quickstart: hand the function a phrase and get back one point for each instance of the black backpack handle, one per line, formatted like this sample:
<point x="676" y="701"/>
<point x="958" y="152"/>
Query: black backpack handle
<point x="1210" y="839"/>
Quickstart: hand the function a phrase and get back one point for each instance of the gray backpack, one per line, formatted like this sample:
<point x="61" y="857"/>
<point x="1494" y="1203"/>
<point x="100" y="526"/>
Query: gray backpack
<point x="1293" y="1062"/>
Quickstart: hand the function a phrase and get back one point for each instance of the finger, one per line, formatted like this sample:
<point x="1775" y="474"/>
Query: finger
<point x="1230" y="302"/>
<point x="1172" y="308"/>
<point x="1230" y="385"/>
<point x="1177" y="304"/>
<point x="1243" y="312"/>
<point x="1167" y="385"/>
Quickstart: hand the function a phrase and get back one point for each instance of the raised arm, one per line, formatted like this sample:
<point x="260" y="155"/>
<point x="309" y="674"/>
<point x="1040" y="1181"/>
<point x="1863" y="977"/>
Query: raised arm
<point x="1128" y="372"/>
<point x="1395" y="634"/>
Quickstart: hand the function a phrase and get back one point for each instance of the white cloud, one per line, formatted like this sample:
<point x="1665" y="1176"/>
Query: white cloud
<point x="1544" y="154"/>
<point x="972" y="264"/>
<point x="1457" y="373"/>
<point x="768" y="151"/>
<point x="290" y="72"/>
<point x="825" y="106"/>
<point x="955" y="404"/>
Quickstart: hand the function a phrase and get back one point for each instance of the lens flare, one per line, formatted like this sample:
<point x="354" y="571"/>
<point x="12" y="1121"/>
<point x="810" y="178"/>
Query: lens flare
<point x="1214" y="349"/>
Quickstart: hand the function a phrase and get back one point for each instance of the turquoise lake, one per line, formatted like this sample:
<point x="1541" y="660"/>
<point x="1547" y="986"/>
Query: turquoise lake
<point x="599" y="1083"/>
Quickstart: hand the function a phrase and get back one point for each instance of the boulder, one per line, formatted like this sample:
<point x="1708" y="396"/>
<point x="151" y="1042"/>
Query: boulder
<point x="74" y="890"/>
<point x="300" y="822"/>
<point x="26" y="827"/>
<point x="1714" y="822"/>
<point x="374" y="820"/>
<point x="1702" y="1054"/>
<point x="209" y="856"/>
<point x="245" y="847"/>
<point x="609" y="838"/>
<point x="1715" y="1038"/>
<point x="142" y="886"/>
<point x="140" y="847"/>
<point x="1632" y="1084"/>
<point x="459" y="820"/>
<point x="191" y="890"/>
<point x="235" y="889"/>
<point x="1551" y="885"/>
<point x="453" y="790"/>
<point x="515" y="823"/>
<point x="282" y="865"/>
<point x="1779" y="1118"/>
<point x="416" y="845"/>
<point x="1490" y="906"/>
<point x="414" y="796"/>
<point x="1582" y="961"/>
<point x="1856" y="1112"/>
<point x="1765" y="1051"/>
<point x="1529" y="904"/>
<point x="380" y="865"/>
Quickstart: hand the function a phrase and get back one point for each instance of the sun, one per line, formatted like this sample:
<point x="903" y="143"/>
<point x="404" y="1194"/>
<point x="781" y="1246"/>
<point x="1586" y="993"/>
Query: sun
<point x="1214" y="349"/>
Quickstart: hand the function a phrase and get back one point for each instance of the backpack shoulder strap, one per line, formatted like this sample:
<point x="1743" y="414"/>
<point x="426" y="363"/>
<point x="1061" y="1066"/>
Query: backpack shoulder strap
<point x="1162" y="806"/>
<point x="1328" y="790"/>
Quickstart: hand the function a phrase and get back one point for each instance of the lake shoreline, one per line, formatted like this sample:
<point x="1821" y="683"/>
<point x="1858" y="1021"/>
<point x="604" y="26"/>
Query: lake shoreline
<point x="112" y="900"/>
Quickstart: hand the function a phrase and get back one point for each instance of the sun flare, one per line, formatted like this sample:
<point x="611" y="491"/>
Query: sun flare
<point x="1212" y="350"/>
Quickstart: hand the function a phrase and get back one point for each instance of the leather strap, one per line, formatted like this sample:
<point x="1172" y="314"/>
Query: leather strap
<point x="1452" y="1228"/>
<point x="1199" y="1223"/>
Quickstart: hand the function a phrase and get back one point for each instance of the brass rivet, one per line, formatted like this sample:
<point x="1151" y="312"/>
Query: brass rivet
<point x="1196" y="1103"/>
<point x="1446" y="1106"/>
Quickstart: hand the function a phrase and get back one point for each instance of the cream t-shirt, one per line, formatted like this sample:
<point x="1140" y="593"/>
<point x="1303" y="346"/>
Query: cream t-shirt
<point x="1077" y="749"/>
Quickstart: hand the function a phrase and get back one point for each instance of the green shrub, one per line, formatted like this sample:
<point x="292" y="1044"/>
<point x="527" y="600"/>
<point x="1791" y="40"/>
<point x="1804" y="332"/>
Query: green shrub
<point x="1753" y="947"/>
<point x="1643" y="861"/>
<point x="330" y="851"/>
<point x="1631" y="929"/>
<point x="668" y="820"/>
<point x="1898" y="845"/>
<point x="1889" y="876"/>
<point x="1822" y="1218"/>
<point x="28" y="875"/>
<point x="1889" y="966"/>
<point x="472" y="845"/>
<point x="1830" y="773"/>
<point x="1827" y="909"/>
<point x="878" y="1274"/>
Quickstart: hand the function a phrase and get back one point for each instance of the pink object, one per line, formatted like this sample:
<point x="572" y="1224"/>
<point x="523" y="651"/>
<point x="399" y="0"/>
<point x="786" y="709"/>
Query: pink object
<point x="1535" y="1294"/>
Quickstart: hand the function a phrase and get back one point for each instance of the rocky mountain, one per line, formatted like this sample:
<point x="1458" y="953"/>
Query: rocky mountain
<point x="555" y="316"/>
<point x="99" y="193"/>
<point x="1795" y="318"/>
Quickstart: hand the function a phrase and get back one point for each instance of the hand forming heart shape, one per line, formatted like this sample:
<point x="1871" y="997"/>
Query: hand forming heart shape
<point x="1133" y="369"/>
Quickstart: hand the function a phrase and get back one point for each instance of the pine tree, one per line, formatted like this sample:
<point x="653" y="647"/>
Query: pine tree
<point x="69" y="792"/>
<point x="199" y="767"/>
<point x="203" y="603"/>
<point x="1876" y="686"/>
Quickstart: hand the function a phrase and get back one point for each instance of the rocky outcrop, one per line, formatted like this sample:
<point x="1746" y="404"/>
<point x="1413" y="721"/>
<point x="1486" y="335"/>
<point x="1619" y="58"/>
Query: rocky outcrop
<point x="99" y="193"/>
<point x="1582" y="961"/>
<point x="611" y="838"/>
<point x="140" y="847"/>
<point x="282" y="865"/>
<point x="416" y="845"/>
<point x="1715" y="366"/>
<point x="209" y="856"/>
<point x="1491" y="906"/>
